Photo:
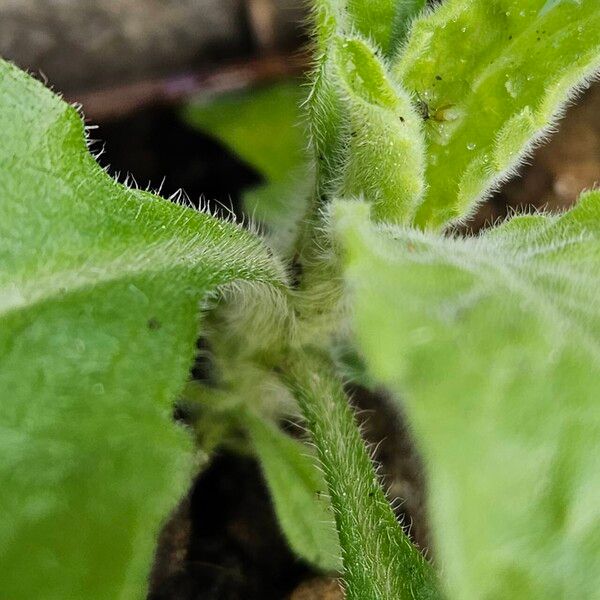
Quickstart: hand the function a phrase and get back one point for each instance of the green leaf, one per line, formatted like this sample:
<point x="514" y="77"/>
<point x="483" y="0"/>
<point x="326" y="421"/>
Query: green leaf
<point x="406" y="11"/>
<point x="380" y="563"/>
<point x="374" y="19"/>
<point x="329" y="18"/>
<point x="366" y="133"/>
<point x="264" y="127"/>
<point x="494" y="343"/>
<point x="493" y="76"/>
<point x="383" y="22"/>
<point x="100" y="288"/>
<point x="280" y="206"/>
<point x="212" y="414"/>
<point x="298" y="492"/>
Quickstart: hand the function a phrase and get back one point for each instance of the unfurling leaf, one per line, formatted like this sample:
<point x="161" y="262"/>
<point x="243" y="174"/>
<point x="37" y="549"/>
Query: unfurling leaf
<point x="494" y="344"/>
<point x="366" y="132"/>
<point x="374" y="19"/>
<point x="383" y="22"/>
<point x="491" y="77"/>
<point x="100" y="291"/>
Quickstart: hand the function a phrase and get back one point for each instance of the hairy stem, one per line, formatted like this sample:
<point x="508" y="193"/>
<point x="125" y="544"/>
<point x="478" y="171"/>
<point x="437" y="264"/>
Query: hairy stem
<point x="380" y="563"/>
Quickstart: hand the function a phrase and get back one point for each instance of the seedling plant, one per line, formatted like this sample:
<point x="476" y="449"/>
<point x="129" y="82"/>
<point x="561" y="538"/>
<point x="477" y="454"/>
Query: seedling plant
<point x="490" y="344"/>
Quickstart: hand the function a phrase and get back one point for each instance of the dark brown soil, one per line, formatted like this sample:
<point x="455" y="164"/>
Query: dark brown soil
<point x="224" y="543"/>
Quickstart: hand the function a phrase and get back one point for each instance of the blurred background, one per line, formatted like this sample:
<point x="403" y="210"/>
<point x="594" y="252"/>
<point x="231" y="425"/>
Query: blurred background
<point x="133" y="65"/>
<point x="203" y="96"/>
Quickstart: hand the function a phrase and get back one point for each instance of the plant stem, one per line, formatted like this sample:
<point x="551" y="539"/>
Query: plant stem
<point x="380" y="562"/>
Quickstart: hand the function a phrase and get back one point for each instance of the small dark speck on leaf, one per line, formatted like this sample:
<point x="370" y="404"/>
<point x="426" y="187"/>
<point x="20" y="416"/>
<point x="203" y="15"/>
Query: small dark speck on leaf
<point x="402" y="119"/>
<point x="153" y="324"/>
<point x="438" y="77"/>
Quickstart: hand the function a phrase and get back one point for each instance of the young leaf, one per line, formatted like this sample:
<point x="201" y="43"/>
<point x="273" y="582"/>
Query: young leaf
<point x="383" y="22"/>
<point x="380" y="563"/>
<point x="366" y="133"/>
<point x="374" y="19"/>
<point x="406" y="11"/>
<point x="494" y="342"/>
<point x="491" y="77"/>
<point x="298" y="492"/>
<point x="99" y="296"/>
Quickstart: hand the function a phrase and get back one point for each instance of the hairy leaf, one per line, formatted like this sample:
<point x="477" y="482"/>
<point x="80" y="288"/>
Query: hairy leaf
<point x="406" y="11"/>
<point x="380" y="563"/>
<point x="298" y="491"/>
<point x="383" y="22"/>
<point x="495" y="344"/>
<point x="374" y="19"/>
<point x="490" y="77"/>
<point x="99" y="298"/>
<point x="366" y="133"/>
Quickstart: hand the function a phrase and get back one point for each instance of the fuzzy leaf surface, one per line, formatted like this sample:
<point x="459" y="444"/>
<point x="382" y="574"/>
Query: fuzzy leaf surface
<point x="383" y="22"/>
<point x="100" y="290"/>
<point x="494" y="74"/>
<point x="366" y="133"/>
<point x="374" y="19"/>
<point x="298" y="492"/>
<point x="405" y="12"/>
<point x="494" y="344"/>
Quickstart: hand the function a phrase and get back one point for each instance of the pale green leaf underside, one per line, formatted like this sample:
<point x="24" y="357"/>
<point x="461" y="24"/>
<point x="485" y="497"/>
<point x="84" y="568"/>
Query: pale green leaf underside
<point x="99" y="298"/>
<point x="495" y="344"/>
<point x="298" y="492"/>
<point x="494" y="74"/>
